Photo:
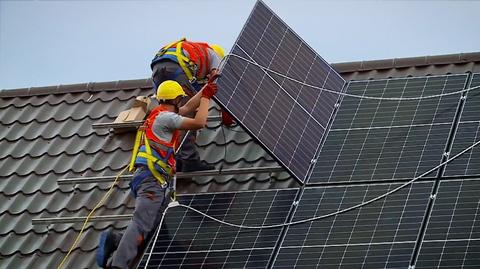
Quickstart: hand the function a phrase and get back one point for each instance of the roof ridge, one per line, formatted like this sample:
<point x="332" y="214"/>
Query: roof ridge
<point x="442" y="59"/>
<point x="342" y="67"/>
<point x="77" y="88"/>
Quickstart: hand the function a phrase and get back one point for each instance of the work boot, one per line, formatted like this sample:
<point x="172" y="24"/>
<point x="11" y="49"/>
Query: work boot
<point x="193" y="166"/>
<point x="106" y="247"/>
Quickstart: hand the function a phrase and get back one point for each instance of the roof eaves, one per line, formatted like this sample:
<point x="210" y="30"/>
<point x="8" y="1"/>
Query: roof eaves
<point x="75" y="88"/>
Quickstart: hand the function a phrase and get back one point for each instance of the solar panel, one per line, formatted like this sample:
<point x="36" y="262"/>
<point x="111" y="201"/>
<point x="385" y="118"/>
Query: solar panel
<point x="452" y="237"/>
<point x="468" y="133"/>
<point x="385" y="140"/>
<point x="381" y="234"/>
<point x="190" y="240"/>
<point x="287" y="118"/>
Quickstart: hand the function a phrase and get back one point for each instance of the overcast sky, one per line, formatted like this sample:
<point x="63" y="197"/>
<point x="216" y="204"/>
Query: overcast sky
<point x="44" y="43"/>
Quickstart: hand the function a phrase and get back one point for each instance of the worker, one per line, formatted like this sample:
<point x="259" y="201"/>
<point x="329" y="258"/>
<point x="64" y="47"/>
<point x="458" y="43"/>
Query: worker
<point x="190" y="64"/>
<point x="155" y="167"/>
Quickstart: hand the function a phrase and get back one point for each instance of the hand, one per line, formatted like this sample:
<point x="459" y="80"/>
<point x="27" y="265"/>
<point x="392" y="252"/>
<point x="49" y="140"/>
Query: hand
<point x="209" y="90"/>
<point x="213" y="75"/>
<point x="227" y="119"/>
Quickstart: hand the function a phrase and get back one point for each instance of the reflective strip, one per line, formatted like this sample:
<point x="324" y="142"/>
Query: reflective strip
<point x="182" y="60"/>
<point x="151" y="164"/>
<point x="156" y="161"/>
<point x="138" y="140"/>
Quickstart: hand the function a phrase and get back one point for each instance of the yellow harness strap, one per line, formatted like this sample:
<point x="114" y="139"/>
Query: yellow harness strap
<point x="183" y="61"/>
<point x="164" y="49"/>
<point x="186" y="64"/>
<point x="136" y="147"/>
<point x="151" y="159"/>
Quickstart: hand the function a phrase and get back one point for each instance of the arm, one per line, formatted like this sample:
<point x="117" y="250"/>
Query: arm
<point x="200" y="119"/>
<point x="192" y="104"/>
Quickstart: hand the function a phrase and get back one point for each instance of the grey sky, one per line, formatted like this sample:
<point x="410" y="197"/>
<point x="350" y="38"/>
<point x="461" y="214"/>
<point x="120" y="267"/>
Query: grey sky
<point x="45" y="43"/>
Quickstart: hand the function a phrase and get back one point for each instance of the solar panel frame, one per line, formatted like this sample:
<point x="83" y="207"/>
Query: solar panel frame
<point x="306" y="113"/>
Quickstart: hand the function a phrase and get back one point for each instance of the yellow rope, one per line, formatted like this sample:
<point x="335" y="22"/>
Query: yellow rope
<point x="100" y="203"/>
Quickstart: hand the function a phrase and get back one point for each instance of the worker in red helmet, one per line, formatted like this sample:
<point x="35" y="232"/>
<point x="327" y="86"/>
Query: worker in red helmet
<point x="190" y="64"/>
<point x="154" y="163"/>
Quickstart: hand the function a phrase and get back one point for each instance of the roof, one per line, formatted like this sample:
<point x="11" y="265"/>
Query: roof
<point x="47" y="135"/>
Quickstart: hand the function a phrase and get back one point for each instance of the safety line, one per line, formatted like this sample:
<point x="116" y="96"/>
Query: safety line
<point x="266" y="69"/>
<point x="100" y="203"/>
<point x="176" y="204"/>
<point x="156" y="234"/>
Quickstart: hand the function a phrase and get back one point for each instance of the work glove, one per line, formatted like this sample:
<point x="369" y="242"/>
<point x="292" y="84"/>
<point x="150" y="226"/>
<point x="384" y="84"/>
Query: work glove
<point x="227" y="119"/>
<point x="209" y="90"/>
<point x="214" y="74"/>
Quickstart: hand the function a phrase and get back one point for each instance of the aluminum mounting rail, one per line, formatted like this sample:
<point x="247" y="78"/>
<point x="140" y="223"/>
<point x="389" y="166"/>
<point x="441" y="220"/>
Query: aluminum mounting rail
<point x="60" y="220"/>
<point x="223" y="172"/>
<point x="135" y="124"/>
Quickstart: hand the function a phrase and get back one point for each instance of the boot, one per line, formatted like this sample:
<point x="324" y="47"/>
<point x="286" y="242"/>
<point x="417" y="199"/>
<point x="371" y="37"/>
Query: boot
<point x="106" y="247"/>
<point x="193" y="166"/>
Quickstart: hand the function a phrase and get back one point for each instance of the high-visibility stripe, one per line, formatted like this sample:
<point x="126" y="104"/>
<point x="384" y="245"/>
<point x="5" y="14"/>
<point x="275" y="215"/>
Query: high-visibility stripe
<point x="182" y="61"/>
<point x="156" y="161"/>
<point x="151" y="164"/>
<point x="138" y="140"/>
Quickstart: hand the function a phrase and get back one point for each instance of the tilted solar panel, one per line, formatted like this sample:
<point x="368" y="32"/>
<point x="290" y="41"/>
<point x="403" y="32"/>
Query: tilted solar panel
<point x="189" y="240"/>
<point x="452" y="237"/>
<point x="467" y="134"/>
<point x="387" y="139"/>
<point x="379" y="235"/>
<point x="289" y="119"/>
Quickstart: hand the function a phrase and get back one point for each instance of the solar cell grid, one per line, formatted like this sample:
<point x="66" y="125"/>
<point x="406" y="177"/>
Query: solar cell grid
<point x="187" y="238"/>
<point x="385" y="139"/>
<point x="388" y="255"/>
<point x="452" y="237"/>
<point x="389" y="226"/>
<point x="288" y="118"/>
<point x="468" y="133"/>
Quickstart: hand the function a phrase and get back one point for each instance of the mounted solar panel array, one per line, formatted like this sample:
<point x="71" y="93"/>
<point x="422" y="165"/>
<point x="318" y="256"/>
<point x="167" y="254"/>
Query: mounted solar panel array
<point x="372" y="147"/>
<point x="468" y="132"/>
<point x="452" y="237"/>
<point x="189" y="240"/>
<point x="385" y="140"/>
<point x="289" y="119"/>
<point x="382" y="234"/>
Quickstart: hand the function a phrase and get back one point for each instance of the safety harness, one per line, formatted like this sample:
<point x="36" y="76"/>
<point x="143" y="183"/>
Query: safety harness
<point x="158" y="154"/>
<point x="194" y="65"/>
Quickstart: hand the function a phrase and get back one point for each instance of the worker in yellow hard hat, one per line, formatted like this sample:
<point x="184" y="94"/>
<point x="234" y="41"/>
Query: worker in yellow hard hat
<point x="154" y="164"/>
<point x="190" y="64"/>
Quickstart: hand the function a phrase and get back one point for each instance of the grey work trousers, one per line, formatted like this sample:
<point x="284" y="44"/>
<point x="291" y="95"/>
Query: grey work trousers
<point x="150" y="203"/>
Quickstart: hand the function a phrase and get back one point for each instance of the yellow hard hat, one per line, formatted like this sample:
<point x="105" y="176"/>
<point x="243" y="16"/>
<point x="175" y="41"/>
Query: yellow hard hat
<point x="218" y="49"/>
<point x="169" y="90"/>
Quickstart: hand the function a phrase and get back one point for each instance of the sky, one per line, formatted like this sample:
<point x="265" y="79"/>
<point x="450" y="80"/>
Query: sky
<point x="47" y="43"/>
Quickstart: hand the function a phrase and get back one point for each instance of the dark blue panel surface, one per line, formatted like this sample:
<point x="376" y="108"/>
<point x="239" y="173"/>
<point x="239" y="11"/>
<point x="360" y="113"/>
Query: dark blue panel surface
<point x="468" y="133"/>
<point x="188" y="239"/>
<point x="288" y="118"/>
<point x="389" y="139"/>
<point x="385" y="255"/>
<point x="378" y="235"/>
<point x="452" y="237"/>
